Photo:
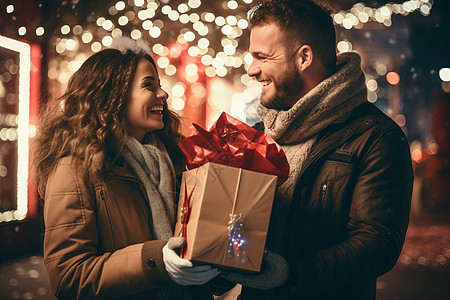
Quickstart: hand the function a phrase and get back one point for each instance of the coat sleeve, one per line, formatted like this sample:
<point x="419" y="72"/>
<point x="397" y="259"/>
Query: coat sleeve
<point x="75" y="266"/>
<point x="377" y="222"/>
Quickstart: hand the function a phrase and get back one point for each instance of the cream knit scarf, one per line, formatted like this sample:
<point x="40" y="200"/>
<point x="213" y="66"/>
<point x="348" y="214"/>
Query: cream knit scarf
<point x="331" y="101"/>
<point x="152" y="164"/>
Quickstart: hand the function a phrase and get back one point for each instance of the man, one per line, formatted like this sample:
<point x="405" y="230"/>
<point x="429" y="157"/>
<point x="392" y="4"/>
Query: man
<point x="340" y="219"/>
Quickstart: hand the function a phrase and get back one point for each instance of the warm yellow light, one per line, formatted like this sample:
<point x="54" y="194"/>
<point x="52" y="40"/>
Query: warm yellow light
<point x="174" y="15"/>
<point x="191" y="69"/>
<point x="203" y="43"/>
<point x="229" y="49"/>
<point x="372" y="85"/>
<point x="242" y="23"/>
<point x="221" y="72"/>
<point x="163" y="62"/>
<point x="120" y="5"/>
<point x="210" y="71"/>
<point x="193" y="51"/>
<point x="209" y="17"/>
<point x="444" y="74"/>
<point x="10" y="9"/>
<point x="220" y="21"/>
<point x="87" y="37"/>
<point x="178" y="90"/>
<point x="139" y="2"/>
<point x="108" y="25"/>
<point x="22" y="30"/>
<point x="24" y="52"/>
<point x="96" y="46"/>
<point x="136" y="34"/>
<point x="194" y="3"/>
<point x="189" y="36"/>
<point x="158" y="48"/>
<point x="177" y="104"/>
<point x="40" y="31"/>
<point x="203" y="31"/>
<point x="122" y="21"/>
<point x="184" y="19"/>
<point x="232" y="4"/>
<point x="231" y="20"/>
<point x="182" y="8"/>
<point x="170" y="70"/>
<point x="154" y="32"/>
<point x="206" y="59"/>
<point x="107" y="41"/>
<point x="194" y="17"/>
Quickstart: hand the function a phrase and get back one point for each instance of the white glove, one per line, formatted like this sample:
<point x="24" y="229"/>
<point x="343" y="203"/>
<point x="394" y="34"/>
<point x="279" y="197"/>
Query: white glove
<point x="181" y="270"/>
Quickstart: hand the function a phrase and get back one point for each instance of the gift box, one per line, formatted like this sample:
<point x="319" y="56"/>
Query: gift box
<point x="226" y="196"/>
<point x="224" y="215"/>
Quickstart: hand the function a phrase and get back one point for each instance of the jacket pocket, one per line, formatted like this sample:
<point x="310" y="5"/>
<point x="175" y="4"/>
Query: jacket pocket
<point x="333" y="184"/>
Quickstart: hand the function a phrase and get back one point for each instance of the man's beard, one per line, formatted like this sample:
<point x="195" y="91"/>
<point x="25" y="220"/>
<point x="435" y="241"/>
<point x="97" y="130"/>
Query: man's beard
<point x="287" y="88"/>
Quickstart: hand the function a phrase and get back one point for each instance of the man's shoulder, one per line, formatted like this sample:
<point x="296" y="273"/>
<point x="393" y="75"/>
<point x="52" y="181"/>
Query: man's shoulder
<point x="372" y="113"/>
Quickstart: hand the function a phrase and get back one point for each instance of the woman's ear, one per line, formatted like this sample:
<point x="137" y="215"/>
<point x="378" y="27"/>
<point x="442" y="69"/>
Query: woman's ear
<point x="304" y="58"/>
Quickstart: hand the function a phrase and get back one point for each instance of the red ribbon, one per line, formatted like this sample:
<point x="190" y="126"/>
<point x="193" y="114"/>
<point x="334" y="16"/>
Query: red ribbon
<point x="233" y="143"/>
<point x="185" y="216"/>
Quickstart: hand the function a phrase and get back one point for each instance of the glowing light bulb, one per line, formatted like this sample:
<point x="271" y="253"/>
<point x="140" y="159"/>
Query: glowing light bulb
<point x="444" y="74"/>
<point x="393" y="78"/>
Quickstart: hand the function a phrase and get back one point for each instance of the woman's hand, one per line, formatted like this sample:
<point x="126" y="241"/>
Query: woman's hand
<point x="181" y="270"/>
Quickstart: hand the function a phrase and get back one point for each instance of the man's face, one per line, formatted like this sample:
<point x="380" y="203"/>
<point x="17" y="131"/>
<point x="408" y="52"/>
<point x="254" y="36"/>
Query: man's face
<point x="274" y="65"/>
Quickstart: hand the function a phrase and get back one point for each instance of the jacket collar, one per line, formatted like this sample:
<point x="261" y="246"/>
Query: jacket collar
<point x="358" y="123"/>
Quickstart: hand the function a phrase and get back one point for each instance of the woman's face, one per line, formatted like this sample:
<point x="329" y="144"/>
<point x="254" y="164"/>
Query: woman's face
<point x="145" y="105"/>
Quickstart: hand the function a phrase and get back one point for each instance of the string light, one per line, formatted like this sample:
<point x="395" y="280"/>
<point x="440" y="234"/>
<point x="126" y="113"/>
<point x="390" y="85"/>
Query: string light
<point x="444" y="74"/>
<point x="213" y="38"/>
<point x="360" y="14"/>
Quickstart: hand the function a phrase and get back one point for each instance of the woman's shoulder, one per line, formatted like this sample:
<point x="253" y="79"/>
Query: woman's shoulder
<point x="68" y="171"/>
<point x="72" y="164"/>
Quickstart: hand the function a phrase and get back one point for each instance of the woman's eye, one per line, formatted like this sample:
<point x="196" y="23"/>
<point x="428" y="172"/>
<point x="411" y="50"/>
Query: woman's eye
<point x="148" y="85"/>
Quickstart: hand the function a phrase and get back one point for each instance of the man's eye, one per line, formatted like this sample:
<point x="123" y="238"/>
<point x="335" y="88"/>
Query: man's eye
<point x="261" y="58"/>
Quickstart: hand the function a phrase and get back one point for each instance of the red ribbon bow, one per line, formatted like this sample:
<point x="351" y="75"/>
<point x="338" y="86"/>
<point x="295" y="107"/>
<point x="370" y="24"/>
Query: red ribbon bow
<point x="185" y="216"/>
<point x="233" y="143"/>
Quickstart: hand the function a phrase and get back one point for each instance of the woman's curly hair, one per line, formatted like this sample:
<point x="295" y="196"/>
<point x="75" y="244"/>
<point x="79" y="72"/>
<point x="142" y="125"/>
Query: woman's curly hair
<point x="88" y="122"/>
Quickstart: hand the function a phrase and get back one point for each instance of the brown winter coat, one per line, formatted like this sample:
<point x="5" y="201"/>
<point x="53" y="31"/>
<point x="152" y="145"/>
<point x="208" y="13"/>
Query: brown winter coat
<point x="98" y="242"/>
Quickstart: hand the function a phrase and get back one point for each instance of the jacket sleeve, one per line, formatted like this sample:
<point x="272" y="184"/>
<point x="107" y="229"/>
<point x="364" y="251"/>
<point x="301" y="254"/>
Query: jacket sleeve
<point x="76" y="268"/>
<point x="377" y="221"/>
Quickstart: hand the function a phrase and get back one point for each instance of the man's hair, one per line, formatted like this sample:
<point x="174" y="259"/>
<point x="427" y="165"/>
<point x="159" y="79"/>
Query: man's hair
<point x="304" y="22"/>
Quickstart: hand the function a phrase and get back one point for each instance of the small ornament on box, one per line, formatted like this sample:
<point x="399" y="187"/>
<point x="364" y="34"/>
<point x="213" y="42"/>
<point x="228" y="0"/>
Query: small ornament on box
<point x="236" y="240"/>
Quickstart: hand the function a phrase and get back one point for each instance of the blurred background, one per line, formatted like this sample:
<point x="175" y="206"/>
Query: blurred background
<point x="200" y="47"/>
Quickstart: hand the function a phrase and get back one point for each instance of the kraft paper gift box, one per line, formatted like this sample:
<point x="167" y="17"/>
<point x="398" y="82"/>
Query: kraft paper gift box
<point x="224" y="214"/>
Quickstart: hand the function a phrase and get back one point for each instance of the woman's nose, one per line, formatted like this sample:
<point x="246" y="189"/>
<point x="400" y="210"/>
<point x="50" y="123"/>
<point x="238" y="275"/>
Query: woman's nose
<point x="162" y="94"/>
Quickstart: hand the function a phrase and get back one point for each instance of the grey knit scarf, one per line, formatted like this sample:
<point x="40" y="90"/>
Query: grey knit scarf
<point x="331" y="101"/>
<point x="152" y="164"/>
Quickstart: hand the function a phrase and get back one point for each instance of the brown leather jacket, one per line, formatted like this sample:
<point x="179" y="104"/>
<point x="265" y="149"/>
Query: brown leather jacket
<point x="98" y="242"/>
<point x="349" y="213"/>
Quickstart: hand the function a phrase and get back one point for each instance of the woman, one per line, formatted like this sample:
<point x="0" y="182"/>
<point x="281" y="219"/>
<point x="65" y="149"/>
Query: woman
<point x="104" y="161"/>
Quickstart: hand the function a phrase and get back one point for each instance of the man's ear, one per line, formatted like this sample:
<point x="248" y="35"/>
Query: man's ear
<point x="305" y="58"/>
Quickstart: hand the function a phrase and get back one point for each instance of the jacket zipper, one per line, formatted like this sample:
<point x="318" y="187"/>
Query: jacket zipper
<point x="323" y="191"/>
<point x="102" y="195"/>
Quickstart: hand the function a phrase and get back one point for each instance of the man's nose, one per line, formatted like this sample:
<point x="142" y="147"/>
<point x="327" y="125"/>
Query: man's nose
<point x="253" y="70"/>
